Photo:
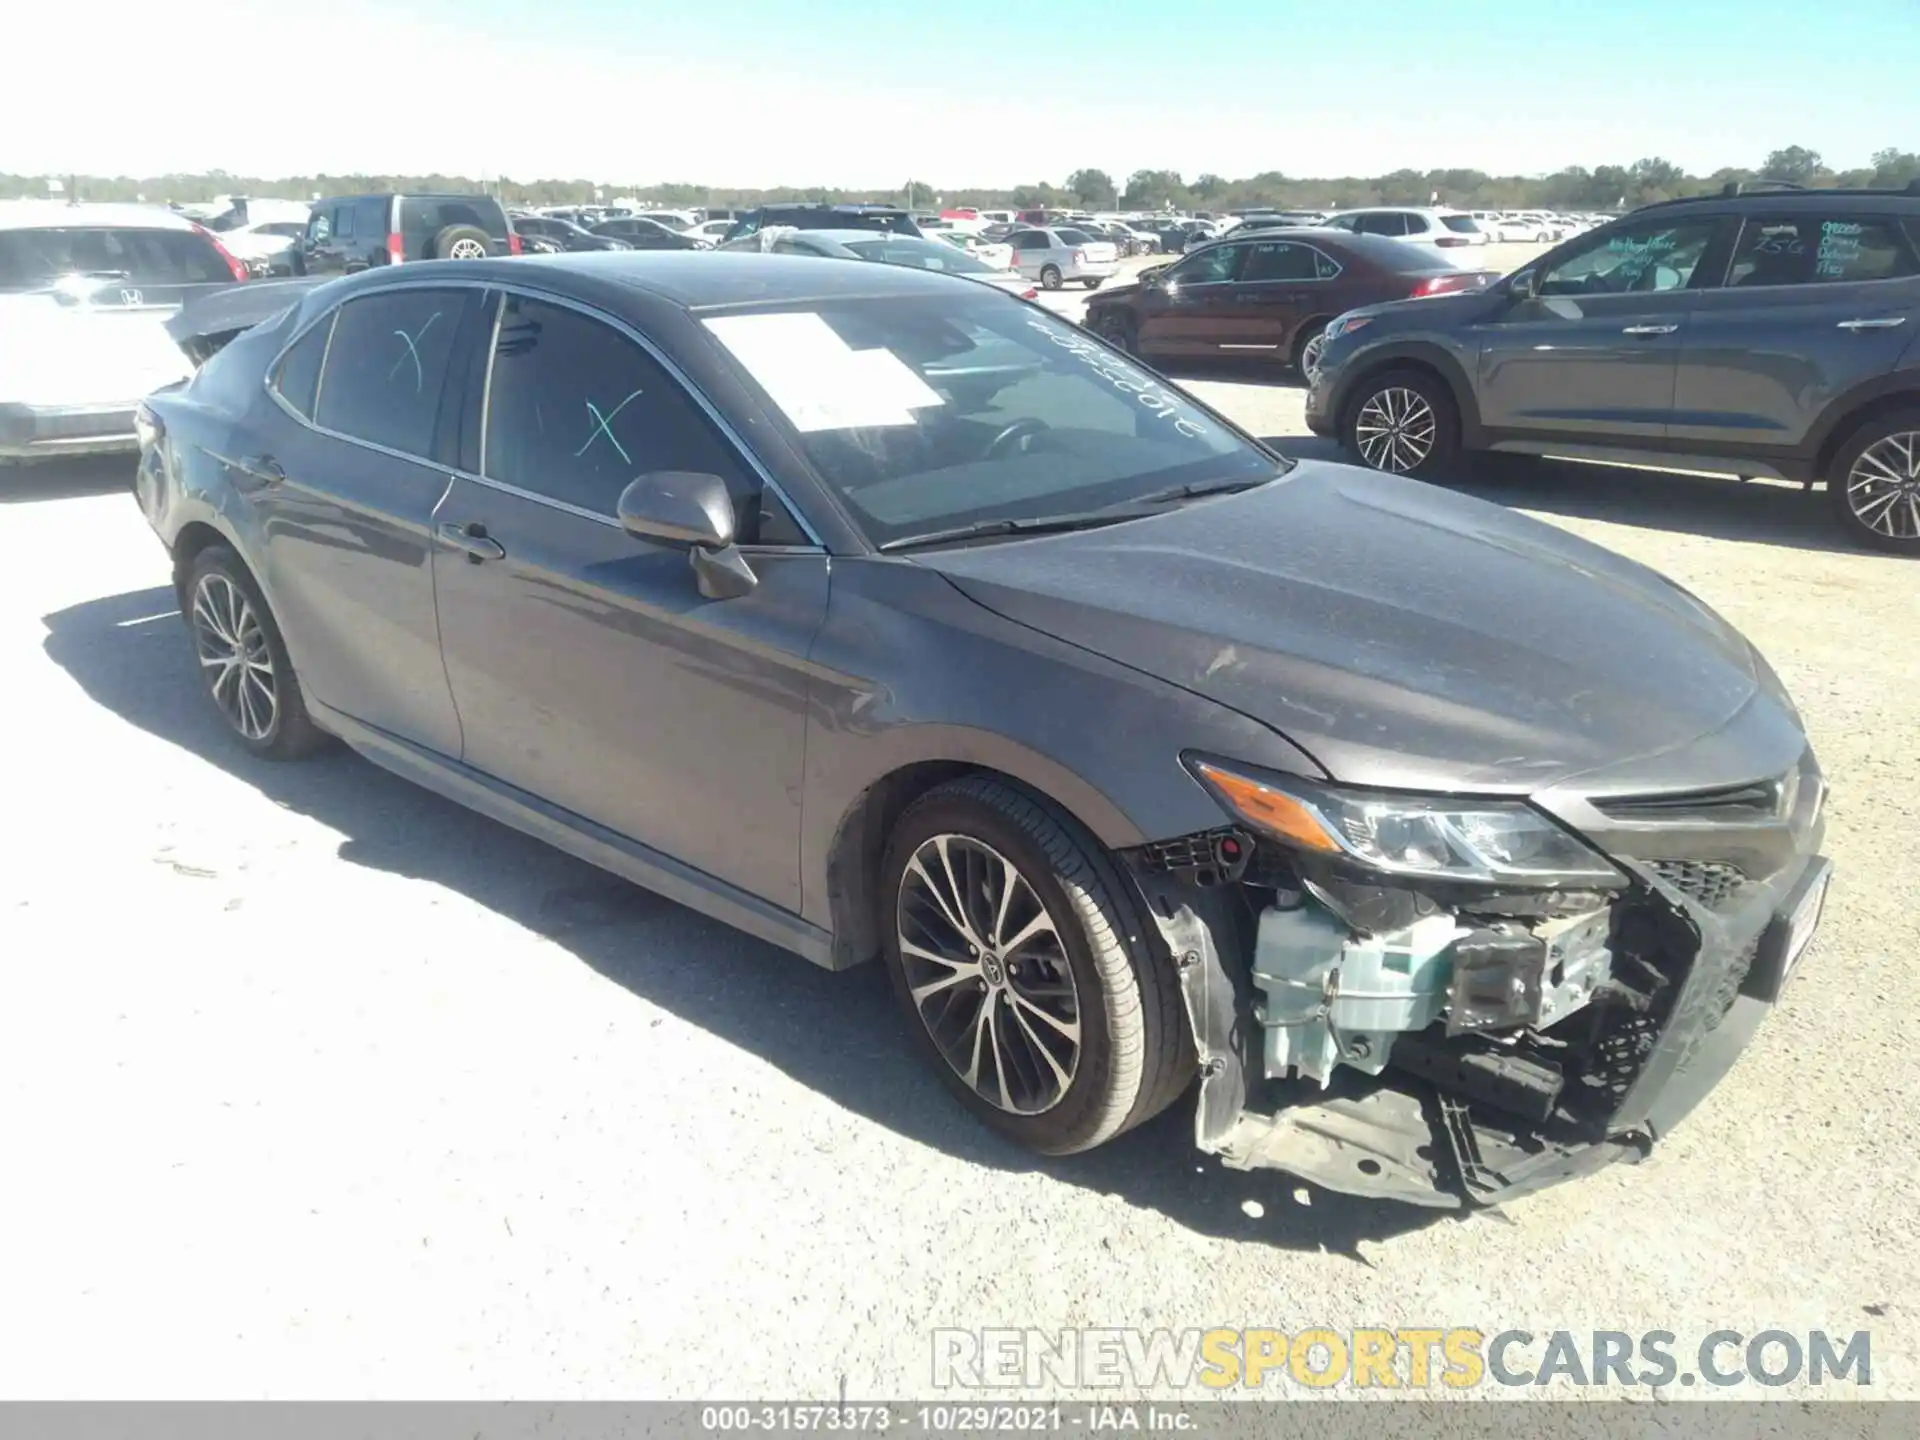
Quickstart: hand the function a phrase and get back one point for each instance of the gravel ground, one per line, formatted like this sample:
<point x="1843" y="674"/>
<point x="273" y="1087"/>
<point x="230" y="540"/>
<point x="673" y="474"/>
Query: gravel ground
<point x="312" y="1084"/>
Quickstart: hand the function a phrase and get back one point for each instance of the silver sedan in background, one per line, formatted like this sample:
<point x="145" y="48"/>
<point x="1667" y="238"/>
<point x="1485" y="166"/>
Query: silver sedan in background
<point x="1055" y="256"/>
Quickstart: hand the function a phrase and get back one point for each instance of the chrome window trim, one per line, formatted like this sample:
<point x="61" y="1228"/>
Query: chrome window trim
<point x="428" y="282"/>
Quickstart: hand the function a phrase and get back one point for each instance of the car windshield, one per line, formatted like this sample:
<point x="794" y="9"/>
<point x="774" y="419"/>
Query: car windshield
<point x="36" y="259"/>
<point x="921" y="254"/>
<point x="925" y="413"/>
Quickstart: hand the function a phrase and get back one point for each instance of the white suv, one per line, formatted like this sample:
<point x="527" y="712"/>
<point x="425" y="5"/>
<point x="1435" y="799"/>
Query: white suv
<point x="1436" y="229"/>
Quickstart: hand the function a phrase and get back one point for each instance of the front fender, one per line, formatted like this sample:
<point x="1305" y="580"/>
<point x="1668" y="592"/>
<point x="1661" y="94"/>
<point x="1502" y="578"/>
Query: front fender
<point x="1413" y="351"/>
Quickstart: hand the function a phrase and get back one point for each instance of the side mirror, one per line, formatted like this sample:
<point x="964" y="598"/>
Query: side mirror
<point x="691" y="510"/>
<point x="1524" y="285"/>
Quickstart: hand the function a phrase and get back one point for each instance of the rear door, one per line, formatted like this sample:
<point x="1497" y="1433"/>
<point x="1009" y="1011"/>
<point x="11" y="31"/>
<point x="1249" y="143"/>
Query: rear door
<point x="1195" y="306"/>
<point x="1595" y="355"/>
<point x="587" y="666"/>
<point x="1278" y="283"/>
<point x="1815" y="303"/>
<point x="344" y="493"/>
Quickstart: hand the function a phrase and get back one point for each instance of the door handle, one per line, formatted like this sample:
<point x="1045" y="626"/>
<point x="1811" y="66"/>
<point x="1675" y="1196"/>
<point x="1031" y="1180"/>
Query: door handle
<point x="1649" y="329"/>
<point x="474" y="540"/>
<point x="263" y="468"/>
<point x="1883" y="323"/>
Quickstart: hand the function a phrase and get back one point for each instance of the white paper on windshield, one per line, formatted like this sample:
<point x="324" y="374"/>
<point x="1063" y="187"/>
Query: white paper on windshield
<point x="817" y="379"/>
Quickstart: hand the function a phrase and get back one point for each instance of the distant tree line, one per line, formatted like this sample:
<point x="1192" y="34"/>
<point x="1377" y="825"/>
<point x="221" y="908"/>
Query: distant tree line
<point x="1606" y="187"/>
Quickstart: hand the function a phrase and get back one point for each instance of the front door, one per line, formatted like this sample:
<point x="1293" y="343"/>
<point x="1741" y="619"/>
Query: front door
<point x="1594" y="355"/>
<point x="1193" y="304"/>
<point x="587" y="667"/>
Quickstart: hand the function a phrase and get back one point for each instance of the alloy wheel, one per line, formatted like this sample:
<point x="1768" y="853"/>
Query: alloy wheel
<point x="1310" y="354"/>
<point x="233" y="651"/>
<point x="988" y="973"/>
<point x="1883" y="487"/>
<point x="466" y="249"/>
<point x="1395" y="430"/>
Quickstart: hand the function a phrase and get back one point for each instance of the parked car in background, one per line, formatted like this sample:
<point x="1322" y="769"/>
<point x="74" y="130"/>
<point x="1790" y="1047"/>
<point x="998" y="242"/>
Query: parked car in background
<point x="711" y="231"/>
<point x="639" y="233"/>
<point x="988" y="252"/>
<point x="1433" y="229"/>
<point x="1118" y="236"/>
<point x="914" y="252"/>
<point x="265" y="247"/>
<point x="673" y="219"/>
<point x="563" y="235"/>
<point x="1057" y="257"/>
<point x="1766" y="334"/>
<point x="349" y="233"/>
<point x="889" y="218"/>
<point x="85" y="291"/>
<point x="1266" y="296"/>
<point x="888" y="618"/>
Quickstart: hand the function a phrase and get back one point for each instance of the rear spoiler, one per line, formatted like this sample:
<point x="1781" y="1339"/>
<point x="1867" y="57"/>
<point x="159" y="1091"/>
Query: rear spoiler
<point x="204" y="325"/>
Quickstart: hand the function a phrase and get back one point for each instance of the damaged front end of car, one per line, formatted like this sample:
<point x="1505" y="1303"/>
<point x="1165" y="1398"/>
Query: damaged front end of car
<point x="1452" y="1001"/>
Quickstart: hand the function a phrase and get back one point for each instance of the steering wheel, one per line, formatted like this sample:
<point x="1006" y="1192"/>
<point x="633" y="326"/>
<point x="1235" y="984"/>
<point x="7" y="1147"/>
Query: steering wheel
<point x="1019" y="430"/>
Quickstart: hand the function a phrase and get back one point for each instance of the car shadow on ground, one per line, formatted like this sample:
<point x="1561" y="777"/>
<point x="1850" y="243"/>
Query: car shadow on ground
<point x="839" y="1034"/>
<point x="66" y="479"/>
<point x="1713" y="506"/>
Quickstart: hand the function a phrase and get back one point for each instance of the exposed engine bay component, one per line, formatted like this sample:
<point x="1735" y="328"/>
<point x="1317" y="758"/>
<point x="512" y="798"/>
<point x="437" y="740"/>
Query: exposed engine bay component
<point x="1482" y="1074"/>
<point x="1336" y="998"/>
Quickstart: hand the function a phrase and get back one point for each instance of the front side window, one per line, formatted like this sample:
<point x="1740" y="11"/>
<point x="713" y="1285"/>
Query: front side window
<point x="1633" y="258"/>
<point x="576" y="411"/>
<point x="387" y="365"/>
<point x="1820" y="250"/>
<point x="926" y="412"/>
<point x="1207" y="267"/>
<point x="1278" y="260"/>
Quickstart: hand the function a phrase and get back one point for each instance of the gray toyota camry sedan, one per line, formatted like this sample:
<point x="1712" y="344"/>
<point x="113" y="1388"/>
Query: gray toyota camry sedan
<point x="1441" y="854"/>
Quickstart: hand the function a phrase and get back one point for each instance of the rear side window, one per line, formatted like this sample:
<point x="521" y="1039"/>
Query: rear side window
<point x="1382" y="223"/>
<point x="1075" y="237"/>
<point x="576" y="411"/>
<point x="1415" y="224"/>
<point x="1821" y="249"/>
<point x="296" y="379"/>
<point x="1278" y="260"/>
<point x="1461" y="224"/>
<point x="387" y="365"/>
<point x="34" y="259"/>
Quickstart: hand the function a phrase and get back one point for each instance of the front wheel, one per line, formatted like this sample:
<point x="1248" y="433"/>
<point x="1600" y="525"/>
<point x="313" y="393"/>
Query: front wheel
<point x="1050" y="277"/>
<point x="1874" y="484"/>
<point x="1403" y="422"/>
<point x="1119" y="330"/>
<point x="243" y="660"/>
<point x="1026" y="970"/>
<point x="1093" y="284"/>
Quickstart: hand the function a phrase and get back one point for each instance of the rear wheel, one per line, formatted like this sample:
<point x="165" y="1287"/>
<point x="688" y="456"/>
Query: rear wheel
<point x="461" y="242"/>
<point x="243" y="660"/>
<point x="1307" y="346"/>
<point x="1874" y="484"/>
<point x="1403" y="422"/>
<point x="1026" y="969"/>
<point x="1093" y="284"/>
<point x="1050" y="277"/>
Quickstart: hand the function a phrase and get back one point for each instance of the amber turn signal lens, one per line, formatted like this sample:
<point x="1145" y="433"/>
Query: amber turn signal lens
<point x="1268" y="809"/>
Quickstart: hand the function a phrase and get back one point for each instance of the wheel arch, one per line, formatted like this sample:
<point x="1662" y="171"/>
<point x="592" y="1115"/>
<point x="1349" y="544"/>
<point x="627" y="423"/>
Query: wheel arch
<point x="1845" y="416"/>
<point x="859" y="841"/>
<point x="1415" y="355"/>
<point x="191" y="539"/>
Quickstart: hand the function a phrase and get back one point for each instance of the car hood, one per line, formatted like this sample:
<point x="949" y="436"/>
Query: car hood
<point x="1401" y="634"/>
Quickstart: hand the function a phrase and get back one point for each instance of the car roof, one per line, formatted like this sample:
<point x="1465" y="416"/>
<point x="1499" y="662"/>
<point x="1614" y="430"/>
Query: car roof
<point x="1793" y="198"/>
<point x="849" y="237"/>
<point x="694" y="280"/>
<point x="58" y="214"/>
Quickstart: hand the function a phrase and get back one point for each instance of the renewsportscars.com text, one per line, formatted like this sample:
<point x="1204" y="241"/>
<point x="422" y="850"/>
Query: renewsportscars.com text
<point x="1404" y="1358"/>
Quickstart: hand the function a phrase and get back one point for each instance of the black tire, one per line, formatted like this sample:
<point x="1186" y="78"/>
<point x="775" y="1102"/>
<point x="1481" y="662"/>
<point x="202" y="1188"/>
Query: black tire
<point x="1093" y="284"/>
<point x="291" y="735"/>
<point x="1135" y="1054"/>
<point x="1050" y="277"/>
<point x="1441" y="447"/>
<point x="464" y="237"/>
<point x="1119" y="329"/>
<point x="1889" y="502"/>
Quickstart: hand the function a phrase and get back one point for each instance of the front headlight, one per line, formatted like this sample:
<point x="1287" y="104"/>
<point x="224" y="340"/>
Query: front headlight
<point x="1434" y="837"/>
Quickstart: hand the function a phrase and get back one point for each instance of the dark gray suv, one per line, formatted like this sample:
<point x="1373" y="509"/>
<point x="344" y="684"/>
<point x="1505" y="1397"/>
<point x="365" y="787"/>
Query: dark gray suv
<point x="1771" y="334"/>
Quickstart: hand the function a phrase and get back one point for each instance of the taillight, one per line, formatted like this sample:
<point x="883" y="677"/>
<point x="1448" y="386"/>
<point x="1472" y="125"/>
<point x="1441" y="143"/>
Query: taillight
<point x="235" y="266"/>
<point x="513" y="241"/>
<point x="1079" y="257"/>
<point x="1443" y="285"/>
<point x="1030" y="294"/>
<point x="396" y="247"/>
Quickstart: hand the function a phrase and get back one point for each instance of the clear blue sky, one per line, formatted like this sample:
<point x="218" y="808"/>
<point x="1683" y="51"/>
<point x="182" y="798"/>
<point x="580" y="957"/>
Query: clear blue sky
<point x="986" y="92"/>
